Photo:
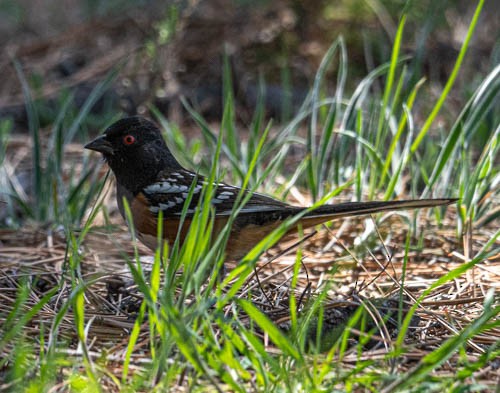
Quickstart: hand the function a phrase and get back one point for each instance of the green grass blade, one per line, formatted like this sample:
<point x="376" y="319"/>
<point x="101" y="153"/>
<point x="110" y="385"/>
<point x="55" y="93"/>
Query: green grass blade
<point x="390" y="79"/>
<point x="467" y="122"/>
<point x="269" y="328"/>
<point x="451" y="80"/>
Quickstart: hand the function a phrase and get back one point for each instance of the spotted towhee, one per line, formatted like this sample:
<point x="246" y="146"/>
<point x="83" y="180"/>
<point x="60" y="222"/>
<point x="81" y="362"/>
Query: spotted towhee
<point x="151" y="180"/>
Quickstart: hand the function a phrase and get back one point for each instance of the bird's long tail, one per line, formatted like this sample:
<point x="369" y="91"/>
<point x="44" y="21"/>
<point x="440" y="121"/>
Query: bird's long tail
<point x="329" y="212"/>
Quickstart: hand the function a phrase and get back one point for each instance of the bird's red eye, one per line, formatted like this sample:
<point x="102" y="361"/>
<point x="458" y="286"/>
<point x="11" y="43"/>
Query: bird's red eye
<point x="128" y="139"/>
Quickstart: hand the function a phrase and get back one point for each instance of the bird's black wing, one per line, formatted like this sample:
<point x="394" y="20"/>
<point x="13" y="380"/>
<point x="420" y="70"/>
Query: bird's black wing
<point x="171" y="191"/>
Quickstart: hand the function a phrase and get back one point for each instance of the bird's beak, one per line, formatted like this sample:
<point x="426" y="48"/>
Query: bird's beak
<point x="100" y="144"/>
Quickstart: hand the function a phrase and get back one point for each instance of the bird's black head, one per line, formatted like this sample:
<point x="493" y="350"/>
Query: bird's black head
<point x="135" y="150"/>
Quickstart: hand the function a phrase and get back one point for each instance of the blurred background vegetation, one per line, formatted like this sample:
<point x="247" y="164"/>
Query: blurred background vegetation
<point x="167" y="50"/>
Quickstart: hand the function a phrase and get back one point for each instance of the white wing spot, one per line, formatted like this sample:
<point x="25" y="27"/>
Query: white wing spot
<point x="168" y="205"/>
<point x="158" y="187"/>
<point x="165" y="188"/>
<point x="176" y="189"/>
<point x="179" y="200"/>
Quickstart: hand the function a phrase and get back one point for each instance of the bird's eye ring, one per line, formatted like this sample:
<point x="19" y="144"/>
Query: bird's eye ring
<point x="128" y="140"/>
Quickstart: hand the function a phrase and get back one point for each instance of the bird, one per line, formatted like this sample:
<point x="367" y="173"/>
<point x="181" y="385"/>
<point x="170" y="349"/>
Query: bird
<point x="151" y="180"/>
